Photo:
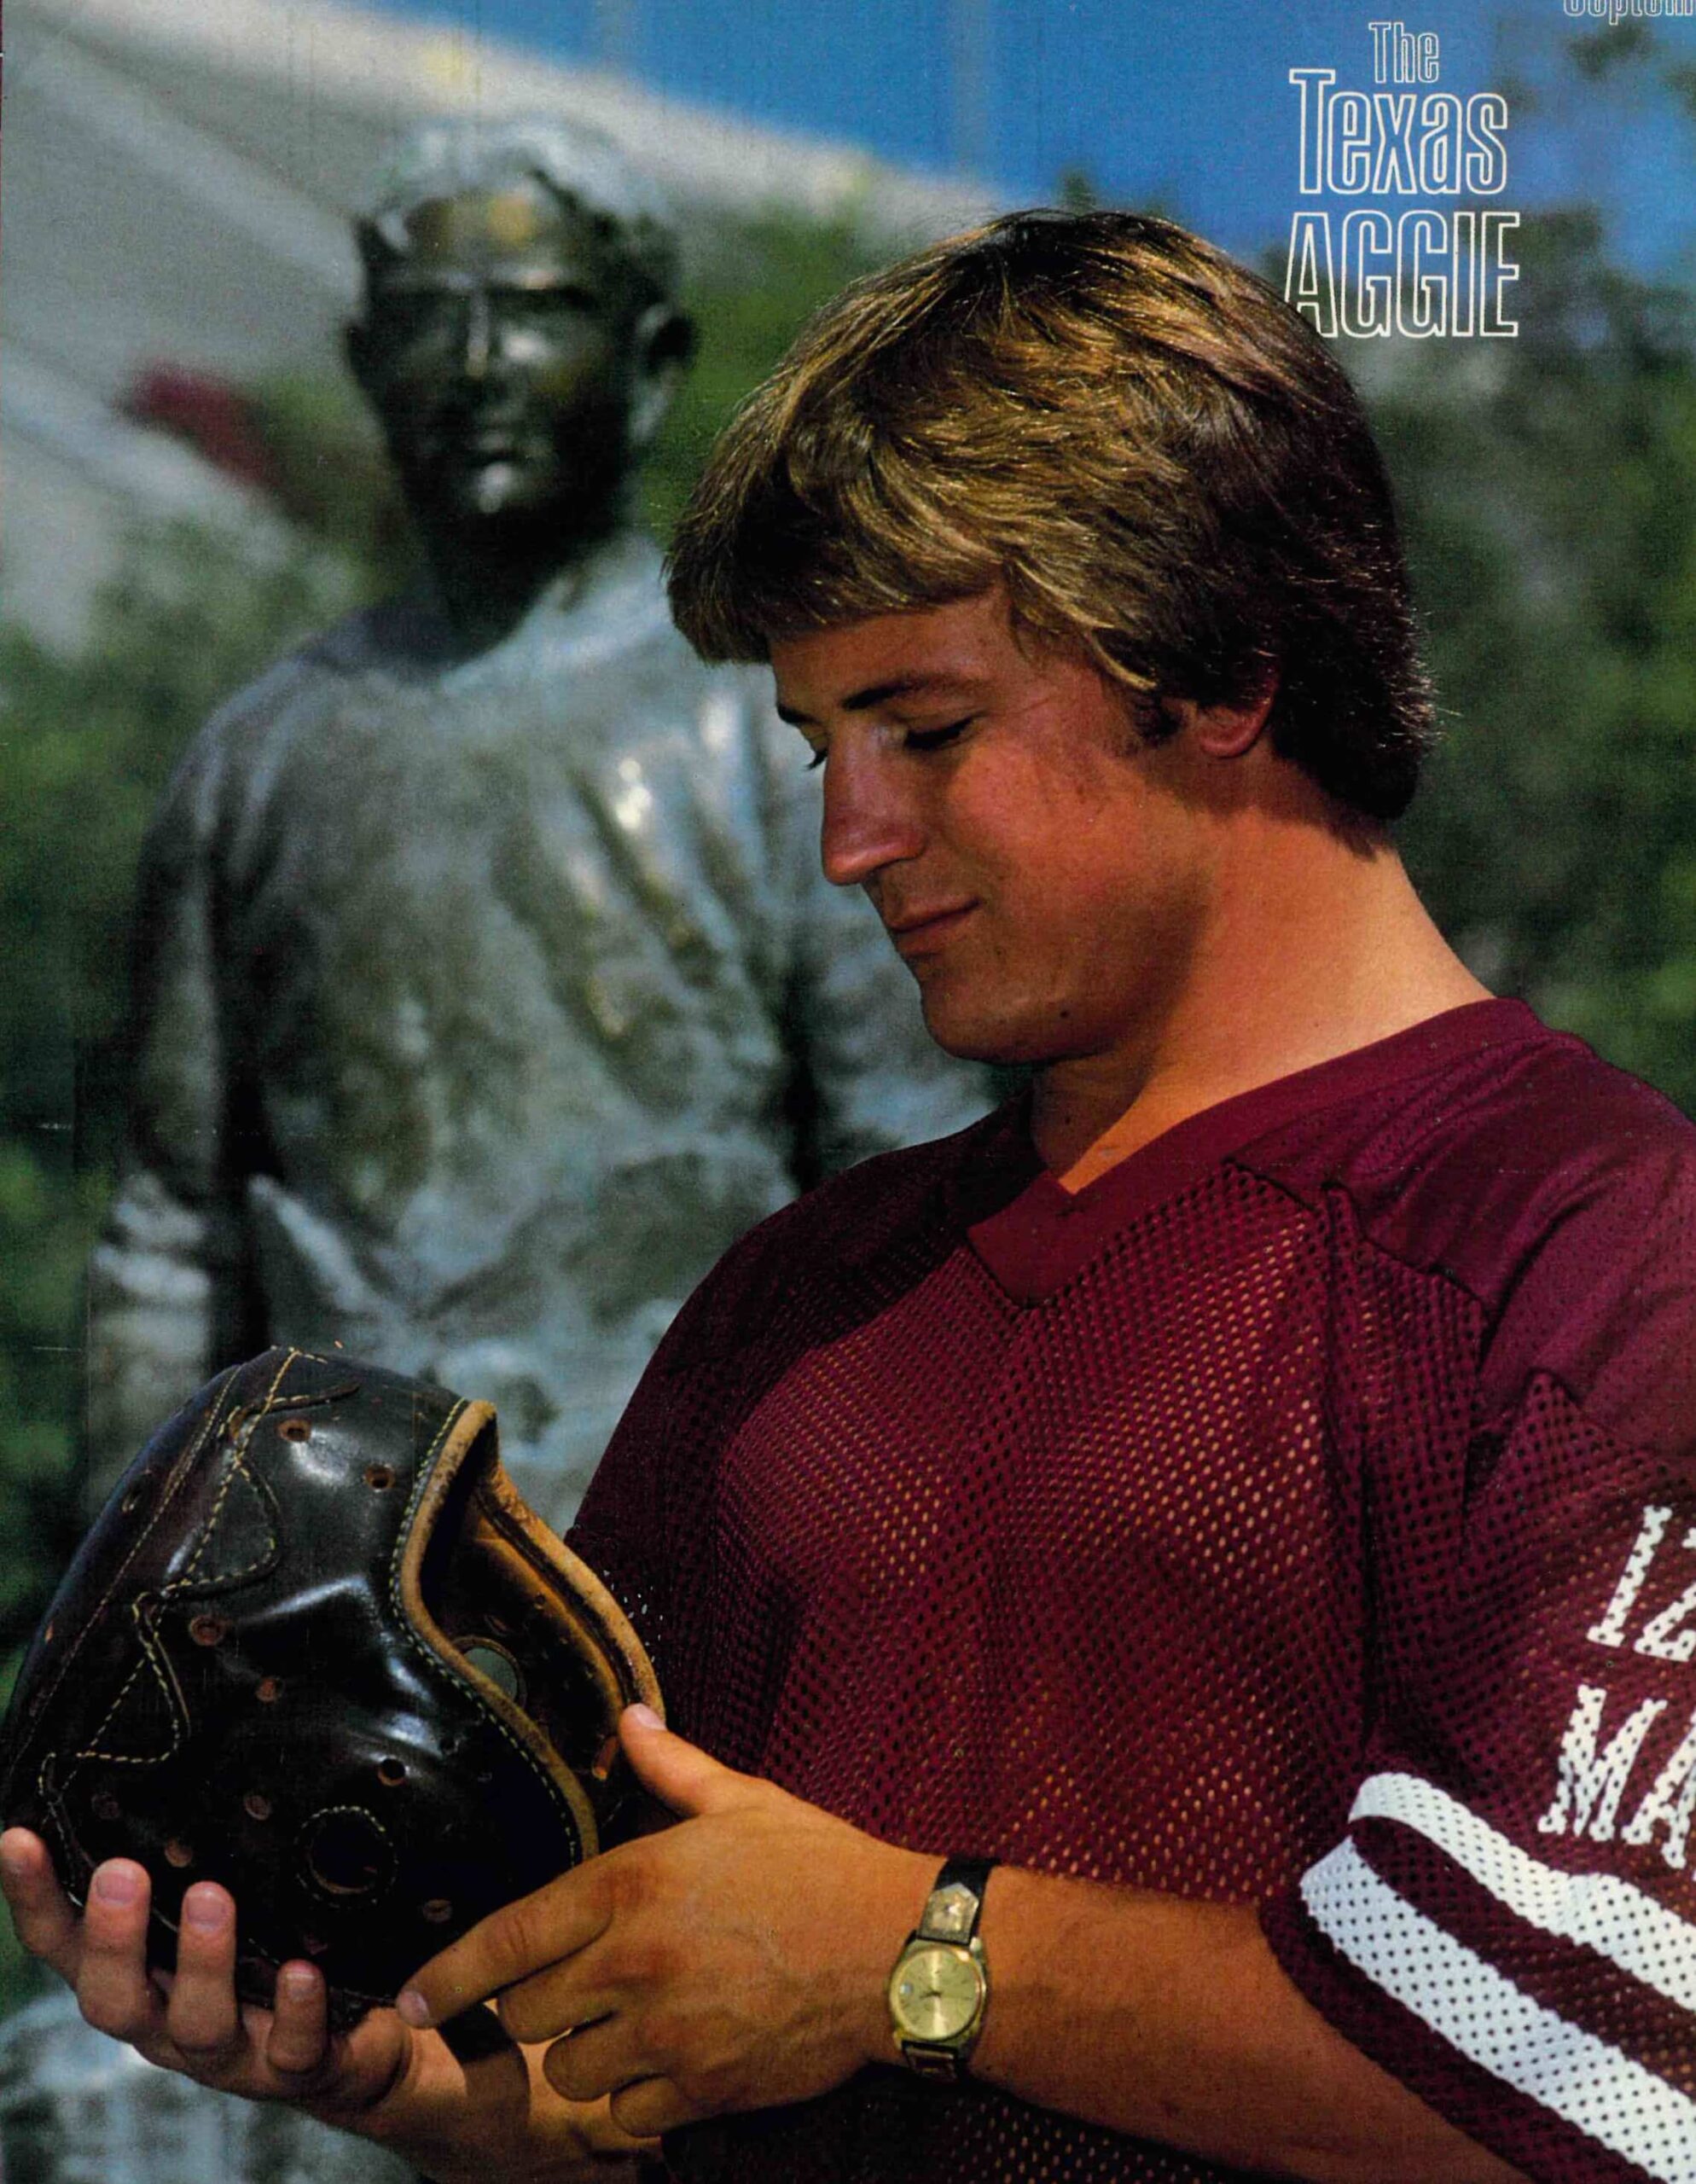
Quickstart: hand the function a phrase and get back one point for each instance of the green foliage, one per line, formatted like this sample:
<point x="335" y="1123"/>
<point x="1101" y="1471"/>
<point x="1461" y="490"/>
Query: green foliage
<point x="1598" y="54"/>
<point x="765" y="277"/>
<point x="1078" y="191"/>
<point x="1547" y="487"/>
<point x="190" y="613"/>
<point x="333" y="480"/>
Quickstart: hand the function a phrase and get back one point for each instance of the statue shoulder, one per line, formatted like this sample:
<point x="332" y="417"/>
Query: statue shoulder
<point x="397" y="641"/>
<point x="404" y="639"/>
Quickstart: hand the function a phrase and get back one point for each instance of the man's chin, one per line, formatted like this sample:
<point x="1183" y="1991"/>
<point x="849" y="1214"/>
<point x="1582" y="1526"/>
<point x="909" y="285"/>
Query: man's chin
<point x="971" y="1035"/>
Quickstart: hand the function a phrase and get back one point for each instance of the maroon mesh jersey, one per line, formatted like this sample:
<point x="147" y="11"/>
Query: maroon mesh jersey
<point x="1303" y="1514"/>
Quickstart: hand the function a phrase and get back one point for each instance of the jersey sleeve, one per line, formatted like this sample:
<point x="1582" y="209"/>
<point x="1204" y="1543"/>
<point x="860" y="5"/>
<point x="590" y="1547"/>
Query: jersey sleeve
<point x="1508" y="1921"/>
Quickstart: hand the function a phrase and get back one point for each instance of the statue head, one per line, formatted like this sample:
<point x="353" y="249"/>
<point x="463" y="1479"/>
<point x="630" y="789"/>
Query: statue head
<point x="520" y="339"/>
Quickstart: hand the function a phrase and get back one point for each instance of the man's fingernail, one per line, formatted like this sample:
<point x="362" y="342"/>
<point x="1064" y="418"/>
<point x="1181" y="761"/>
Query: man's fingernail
<point x="203" y="1912"/>
<point x="643" y="1714"/>
<point x="116" y="1884"/>
<point x="298" y="1981"/>
<point x="412" y="2009"/>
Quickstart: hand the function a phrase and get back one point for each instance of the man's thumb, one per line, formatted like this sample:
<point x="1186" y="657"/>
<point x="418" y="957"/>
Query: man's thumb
<point x="680" y="1775"/>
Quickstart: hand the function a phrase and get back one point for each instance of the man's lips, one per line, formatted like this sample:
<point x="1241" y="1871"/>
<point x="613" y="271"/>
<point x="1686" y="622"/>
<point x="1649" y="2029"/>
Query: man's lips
<point x="917" y="930"/>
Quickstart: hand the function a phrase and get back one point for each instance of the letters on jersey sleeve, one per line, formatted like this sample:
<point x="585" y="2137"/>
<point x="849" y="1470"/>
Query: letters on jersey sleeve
<point x="1509" y="1922"/>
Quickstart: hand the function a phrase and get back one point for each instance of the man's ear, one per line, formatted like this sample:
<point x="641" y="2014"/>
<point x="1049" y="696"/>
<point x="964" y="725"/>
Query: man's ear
<point x="663" y="342"/>
<point x="1227" y="731"/>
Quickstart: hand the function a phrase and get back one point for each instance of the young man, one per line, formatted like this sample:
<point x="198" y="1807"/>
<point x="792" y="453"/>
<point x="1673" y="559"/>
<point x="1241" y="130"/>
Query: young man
<point x="1244" y="1490"/>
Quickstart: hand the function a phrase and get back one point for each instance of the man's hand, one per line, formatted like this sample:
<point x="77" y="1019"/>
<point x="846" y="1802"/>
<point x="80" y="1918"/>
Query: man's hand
<point x="734" y="1961"/>
<point x="383" y="2080"/>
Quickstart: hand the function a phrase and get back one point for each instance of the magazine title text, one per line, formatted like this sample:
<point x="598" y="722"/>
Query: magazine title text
<point x="1423" y="269"/>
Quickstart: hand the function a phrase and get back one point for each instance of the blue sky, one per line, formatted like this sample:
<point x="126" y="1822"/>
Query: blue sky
<point x="1183" y="104"/>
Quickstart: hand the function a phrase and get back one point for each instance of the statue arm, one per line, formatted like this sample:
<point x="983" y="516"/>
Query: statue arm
<point x="166" y="1294"/>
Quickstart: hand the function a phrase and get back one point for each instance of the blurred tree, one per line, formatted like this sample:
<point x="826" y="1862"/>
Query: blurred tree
<point x="1548" y="485"/>
<point x="762" y="279"/>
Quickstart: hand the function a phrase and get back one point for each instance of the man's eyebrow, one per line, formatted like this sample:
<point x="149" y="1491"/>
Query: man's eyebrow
<point x="879" y="694"/>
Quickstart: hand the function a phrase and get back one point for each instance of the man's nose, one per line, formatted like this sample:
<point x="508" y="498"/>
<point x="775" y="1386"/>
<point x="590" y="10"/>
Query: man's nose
<point x="871" y="818"/>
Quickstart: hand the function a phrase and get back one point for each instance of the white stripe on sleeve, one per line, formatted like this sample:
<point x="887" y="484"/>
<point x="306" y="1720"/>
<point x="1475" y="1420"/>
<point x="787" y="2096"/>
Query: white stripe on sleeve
<point x="1618" y="1920"/>
<point x="1468" y="2003"/>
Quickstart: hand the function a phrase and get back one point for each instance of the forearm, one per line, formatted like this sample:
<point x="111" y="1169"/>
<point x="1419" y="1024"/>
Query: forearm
<point x="1173" y="2021"/>
<point x="740" y="1961"/>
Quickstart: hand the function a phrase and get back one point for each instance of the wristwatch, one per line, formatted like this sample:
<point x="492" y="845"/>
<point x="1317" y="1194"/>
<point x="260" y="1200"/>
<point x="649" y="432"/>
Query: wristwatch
<point x="939" y="1988"/>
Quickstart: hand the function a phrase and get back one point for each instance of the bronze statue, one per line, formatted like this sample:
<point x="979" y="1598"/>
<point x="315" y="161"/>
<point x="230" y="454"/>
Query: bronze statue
<point x="489" y="990"/>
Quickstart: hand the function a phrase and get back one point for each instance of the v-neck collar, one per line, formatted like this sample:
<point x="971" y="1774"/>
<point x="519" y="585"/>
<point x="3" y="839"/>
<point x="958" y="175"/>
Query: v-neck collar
<point x="1032" y="1234"/>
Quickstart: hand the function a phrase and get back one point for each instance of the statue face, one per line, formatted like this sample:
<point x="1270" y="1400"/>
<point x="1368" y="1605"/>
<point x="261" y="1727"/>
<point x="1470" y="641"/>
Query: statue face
<point x="505" y="352"/>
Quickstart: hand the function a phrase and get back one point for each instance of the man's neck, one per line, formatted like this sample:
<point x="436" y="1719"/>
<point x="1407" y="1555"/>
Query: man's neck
<point x="1313" y="946"/>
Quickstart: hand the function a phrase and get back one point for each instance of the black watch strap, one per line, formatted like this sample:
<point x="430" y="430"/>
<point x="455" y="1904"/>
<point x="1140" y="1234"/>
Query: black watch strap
<point x="949" y="1916"/>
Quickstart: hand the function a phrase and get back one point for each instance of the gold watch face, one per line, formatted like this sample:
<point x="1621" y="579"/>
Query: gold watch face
<point x="937" y="1991"/>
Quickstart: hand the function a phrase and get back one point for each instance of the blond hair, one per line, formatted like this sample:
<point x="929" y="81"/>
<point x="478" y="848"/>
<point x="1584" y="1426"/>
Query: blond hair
<point x="1160" y="461"/>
